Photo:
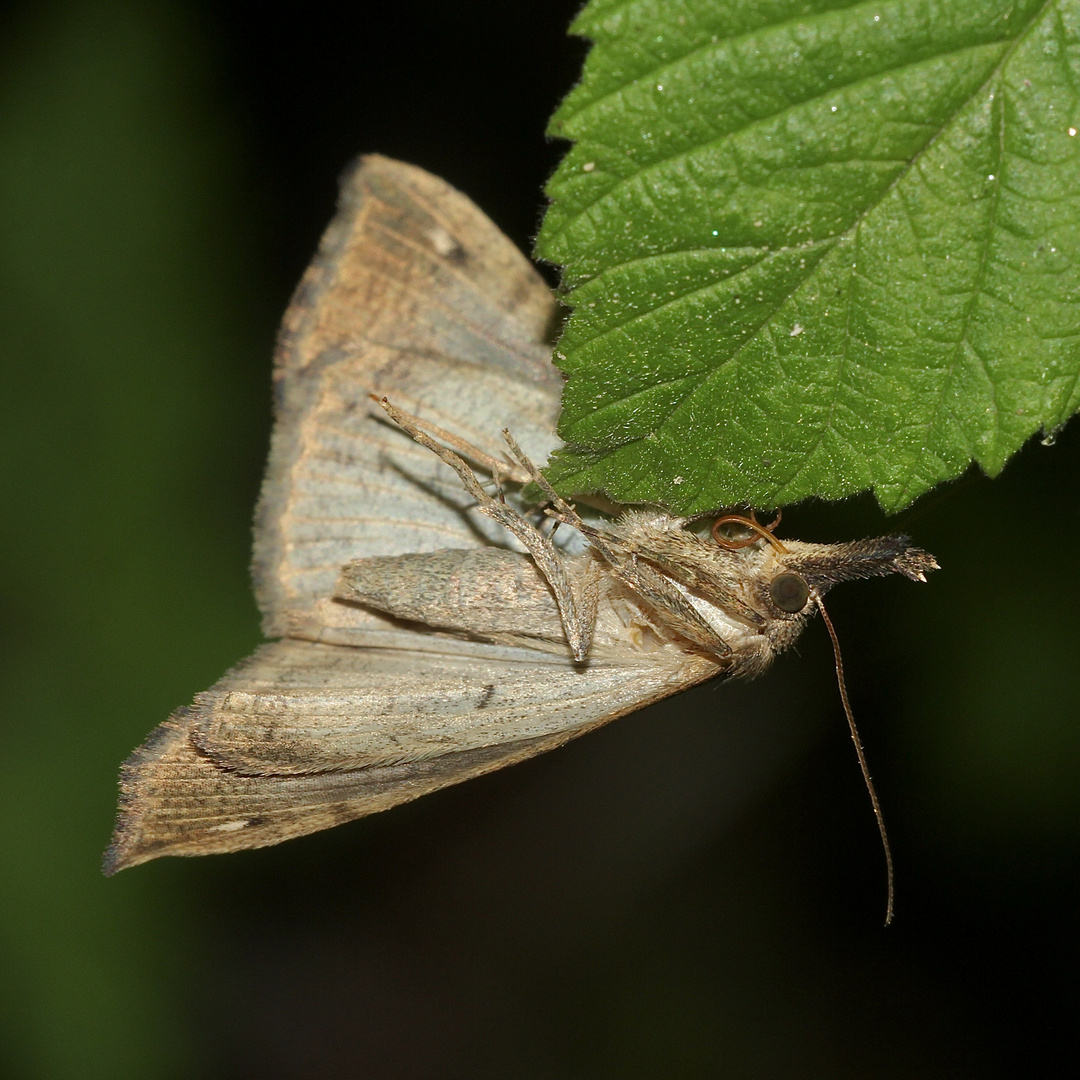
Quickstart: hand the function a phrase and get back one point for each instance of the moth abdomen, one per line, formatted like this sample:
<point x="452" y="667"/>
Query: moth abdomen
<point x="480" y="591"/>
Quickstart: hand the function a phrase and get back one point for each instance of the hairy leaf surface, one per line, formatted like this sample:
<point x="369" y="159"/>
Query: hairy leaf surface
<point x="815" y="247"/>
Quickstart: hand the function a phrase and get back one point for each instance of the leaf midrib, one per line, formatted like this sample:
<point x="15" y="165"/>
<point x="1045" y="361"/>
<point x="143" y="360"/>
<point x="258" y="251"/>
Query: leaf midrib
<point x="995" y="73"/>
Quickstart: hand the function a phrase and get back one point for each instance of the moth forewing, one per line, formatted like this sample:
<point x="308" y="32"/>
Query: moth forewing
<point x="375" y="707"/>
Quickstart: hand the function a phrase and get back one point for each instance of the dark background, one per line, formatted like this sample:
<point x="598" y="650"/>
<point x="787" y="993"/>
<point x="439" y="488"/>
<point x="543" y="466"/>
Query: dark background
<point x="695" y="891"/>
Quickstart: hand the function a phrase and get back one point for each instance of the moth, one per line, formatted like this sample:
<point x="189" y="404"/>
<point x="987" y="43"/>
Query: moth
<point x="428" y="624"/>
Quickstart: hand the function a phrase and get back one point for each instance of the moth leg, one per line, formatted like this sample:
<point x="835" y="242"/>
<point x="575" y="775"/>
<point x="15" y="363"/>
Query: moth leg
<point x="577" y="607"/>
<point x="498" y="468"/>
<point x="560" y="510"/>
<point x="651" y="586"/>
<point x="678" y="613"/>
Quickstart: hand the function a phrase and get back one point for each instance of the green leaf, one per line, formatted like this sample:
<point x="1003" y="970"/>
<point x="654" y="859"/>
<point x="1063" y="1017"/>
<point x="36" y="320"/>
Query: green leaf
<point x="815" y="247"/>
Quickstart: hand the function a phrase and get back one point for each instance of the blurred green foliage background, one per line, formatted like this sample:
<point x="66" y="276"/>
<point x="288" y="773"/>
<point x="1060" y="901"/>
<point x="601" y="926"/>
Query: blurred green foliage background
<point x="693" y="892"/>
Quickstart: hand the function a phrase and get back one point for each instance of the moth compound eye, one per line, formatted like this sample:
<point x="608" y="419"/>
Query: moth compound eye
<point x="789" y="592"/>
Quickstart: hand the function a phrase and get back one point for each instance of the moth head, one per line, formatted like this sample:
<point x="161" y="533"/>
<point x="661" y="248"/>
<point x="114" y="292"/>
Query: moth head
<point x="792" y="573"/>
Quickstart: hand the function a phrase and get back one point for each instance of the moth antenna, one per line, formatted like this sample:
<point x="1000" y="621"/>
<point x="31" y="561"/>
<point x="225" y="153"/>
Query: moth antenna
<point x="875" y="802"/>
<point x="750" y="523"/>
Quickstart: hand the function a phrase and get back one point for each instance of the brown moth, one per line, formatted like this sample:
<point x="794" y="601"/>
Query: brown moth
<point x="429" y="625"/>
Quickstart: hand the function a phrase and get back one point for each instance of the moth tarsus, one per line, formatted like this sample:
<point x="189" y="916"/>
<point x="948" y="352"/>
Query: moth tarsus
<point x="576" y="608"/>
